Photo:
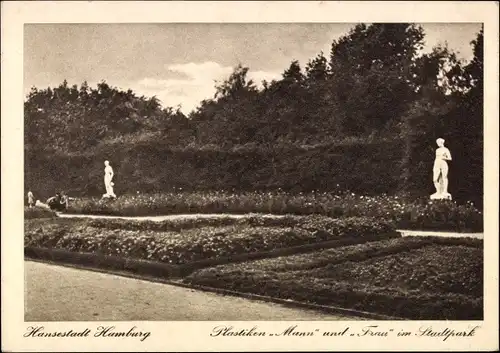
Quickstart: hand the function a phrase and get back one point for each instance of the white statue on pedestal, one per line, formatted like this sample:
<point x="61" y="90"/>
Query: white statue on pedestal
<point x="108" y="183"/>
<point x="440" y="171"/>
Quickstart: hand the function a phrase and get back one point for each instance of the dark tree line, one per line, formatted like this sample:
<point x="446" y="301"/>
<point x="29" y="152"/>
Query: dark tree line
<point x="374" y="85"/>
<point x="67" y="119"/>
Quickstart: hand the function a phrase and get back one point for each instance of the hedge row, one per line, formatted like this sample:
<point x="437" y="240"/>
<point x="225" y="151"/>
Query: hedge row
<point x="153" y="167"/>
<point x="196" y="244"/>
<point x="422" y="279"/>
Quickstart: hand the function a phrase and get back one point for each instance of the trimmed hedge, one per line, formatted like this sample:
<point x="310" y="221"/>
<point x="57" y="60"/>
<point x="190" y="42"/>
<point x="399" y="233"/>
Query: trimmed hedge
<point x="152" y="167"/>
<point x="99" y="261"/>
<point x="416" y="278"/>
<point x="196" y="244"/>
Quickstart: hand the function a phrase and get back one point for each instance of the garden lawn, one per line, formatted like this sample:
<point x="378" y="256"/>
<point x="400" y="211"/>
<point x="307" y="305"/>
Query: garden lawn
<point x="416" y="214"/>
<point x="185" y="241"/>
<point x="415" y="278"/>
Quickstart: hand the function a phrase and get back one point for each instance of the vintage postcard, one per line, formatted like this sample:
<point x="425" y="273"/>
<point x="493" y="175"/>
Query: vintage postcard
<point x="249" y="176"/>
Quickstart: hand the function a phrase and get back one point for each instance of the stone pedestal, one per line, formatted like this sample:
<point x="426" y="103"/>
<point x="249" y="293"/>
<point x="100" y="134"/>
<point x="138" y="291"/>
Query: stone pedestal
<point x="441" y="192"/>
<point x="441" y="196"/>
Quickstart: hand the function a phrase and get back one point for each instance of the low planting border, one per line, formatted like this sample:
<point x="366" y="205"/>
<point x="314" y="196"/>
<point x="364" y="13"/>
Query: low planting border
<point x="102" y="261"/>
<point x="165" y="270"/>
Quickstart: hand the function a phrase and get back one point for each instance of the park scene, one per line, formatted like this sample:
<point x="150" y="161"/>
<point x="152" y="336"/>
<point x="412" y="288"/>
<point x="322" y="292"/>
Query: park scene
<point x="350" y="183"/>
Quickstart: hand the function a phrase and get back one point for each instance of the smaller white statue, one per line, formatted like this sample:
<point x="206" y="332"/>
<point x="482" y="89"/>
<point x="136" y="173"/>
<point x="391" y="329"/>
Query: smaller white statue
<point x="31" y="199"/>
<point x="440" y="171"/>
<point x="108" y="183"/>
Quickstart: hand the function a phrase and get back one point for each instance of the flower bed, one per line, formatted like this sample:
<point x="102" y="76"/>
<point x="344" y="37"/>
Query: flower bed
<point x="196" y="244"/>
<point x="442" y="215"/>
<point x="357" y="252"/>
<point x="190" y="223"/>
<point x="422" y="215"/>
<point x="315" y="223"/>
<point x="415" y="278"/>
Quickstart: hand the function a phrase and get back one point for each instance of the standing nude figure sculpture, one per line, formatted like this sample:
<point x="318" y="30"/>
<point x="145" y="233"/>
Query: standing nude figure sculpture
<point x="31" y="199"/>
<point x="108" y="183"/>
<point x="440" y="171"/>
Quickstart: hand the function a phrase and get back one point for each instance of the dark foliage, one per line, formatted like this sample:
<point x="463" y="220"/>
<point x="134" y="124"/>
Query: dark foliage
<point x="365" y="117"/>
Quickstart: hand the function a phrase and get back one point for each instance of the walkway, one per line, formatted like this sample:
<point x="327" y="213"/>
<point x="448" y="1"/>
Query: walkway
<point x="421" y="233"/>
<point x="171" y="217"/>
<point x="56" y="293"/>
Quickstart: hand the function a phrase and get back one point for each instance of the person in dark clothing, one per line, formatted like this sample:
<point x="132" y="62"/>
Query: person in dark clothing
<point x="58" y="202"/>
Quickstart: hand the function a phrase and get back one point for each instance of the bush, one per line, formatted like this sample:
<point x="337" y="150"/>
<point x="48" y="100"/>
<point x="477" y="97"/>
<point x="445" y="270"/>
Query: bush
<point x="421" y="279"/>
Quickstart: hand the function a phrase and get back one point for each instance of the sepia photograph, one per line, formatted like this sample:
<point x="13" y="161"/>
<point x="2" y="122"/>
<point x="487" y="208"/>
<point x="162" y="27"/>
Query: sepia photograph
<point x="225" y="172"/>
<point x="330" y="164"/>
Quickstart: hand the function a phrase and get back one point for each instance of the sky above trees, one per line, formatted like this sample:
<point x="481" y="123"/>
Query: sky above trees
<point x="179" y="63"/>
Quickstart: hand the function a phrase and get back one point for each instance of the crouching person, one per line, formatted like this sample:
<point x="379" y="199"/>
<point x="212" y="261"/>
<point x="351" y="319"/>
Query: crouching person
<point x="58" y="203"/>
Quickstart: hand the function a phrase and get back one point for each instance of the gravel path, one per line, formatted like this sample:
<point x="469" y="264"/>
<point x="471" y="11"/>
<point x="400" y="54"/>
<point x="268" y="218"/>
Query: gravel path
<point x="172" y="216"/>
<point x="57" y="293"/>
<point x="414" y="233"/>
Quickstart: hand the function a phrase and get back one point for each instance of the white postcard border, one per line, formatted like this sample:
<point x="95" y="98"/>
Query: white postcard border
<point x="195" y="335"/>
